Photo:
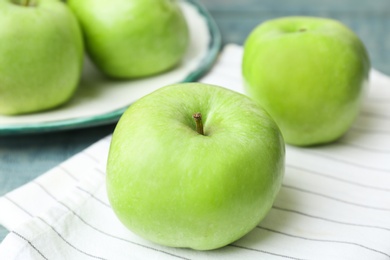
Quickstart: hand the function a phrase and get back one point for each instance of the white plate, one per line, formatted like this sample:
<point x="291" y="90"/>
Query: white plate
<point x="99" y="100"/>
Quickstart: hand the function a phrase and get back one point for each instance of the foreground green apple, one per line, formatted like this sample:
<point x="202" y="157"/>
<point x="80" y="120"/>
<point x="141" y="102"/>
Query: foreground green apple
<point x="133" y="38"/>
<point x="41" y="55"/>
<point x="182" y="183"/>
<point x="309" y="74"/>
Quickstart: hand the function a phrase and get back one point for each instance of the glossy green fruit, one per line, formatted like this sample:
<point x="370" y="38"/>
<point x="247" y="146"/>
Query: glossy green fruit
<point x="133" y="38"/>
<point x="309" y="74"/>
<point x="171" y="184"/>
<point x="41" y="55"/>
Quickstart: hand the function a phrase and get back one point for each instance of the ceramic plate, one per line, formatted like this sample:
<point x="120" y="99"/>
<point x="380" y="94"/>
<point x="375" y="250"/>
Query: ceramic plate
<point x="99" y="100"/>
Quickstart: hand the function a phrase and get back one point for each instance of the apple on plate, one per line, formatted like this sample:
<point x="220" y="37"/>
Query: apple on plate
<point x="309" y="74"/>
<point x="133" y="38"/>
<point x="41" y="55"/>
<point x="194" y="165"/>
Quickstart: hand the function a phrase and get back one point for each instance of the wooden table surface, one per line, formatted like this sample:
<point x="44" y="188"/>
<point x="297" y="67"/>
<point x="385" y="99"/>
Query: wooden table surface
<point x="22" y="158"/>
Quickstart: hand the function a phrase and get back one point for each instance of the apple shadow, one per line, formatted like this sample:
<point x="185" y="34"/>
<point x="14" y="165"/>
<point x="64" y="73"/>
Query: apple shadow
<point x="370" y="127"/>
<point x="92" y="84"/>
<point x="93" y="81"/>
<point x="138" y="78"/>
<point x="90" y="81"/>
<point x="370" y="121"/>
<point x="374" y="113"/>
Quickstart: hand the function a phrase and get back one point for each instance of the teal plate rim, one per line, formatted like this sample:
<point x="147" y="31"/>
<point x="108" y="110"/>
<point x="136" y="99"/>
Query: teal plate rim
<point x="112" y="117"/>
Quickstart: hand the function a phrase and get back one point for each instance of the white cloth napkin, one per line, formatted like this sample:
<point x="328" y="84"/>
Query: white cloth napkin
<point x="334" y="202"/>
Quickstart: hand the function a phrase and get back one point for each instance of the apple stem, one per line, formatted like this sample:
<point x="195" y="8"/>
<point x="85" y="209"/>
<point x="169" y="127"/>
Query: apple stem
<point x="198" y="121"/>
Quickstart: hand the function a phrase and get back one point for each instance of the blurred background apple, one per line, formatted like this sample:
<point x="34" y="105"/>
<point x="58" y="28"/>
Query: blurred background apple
<point x="41" y="55"/>
<point x="132" y="38"/>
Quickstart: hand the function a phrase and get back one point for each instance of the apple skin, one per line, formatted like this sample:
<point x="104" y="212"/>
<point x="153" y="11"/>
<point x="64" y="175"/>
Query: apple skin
<point x="309" y="74"/>
<point x="41" y="56"/>
<point x="133" y="38"/>
<point x="175" y="187"/>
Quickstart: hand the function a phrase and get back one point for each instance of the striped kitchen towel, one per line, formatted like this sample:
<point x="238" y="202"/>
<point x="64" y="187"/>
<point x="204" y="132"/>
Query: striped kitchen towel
<point x="334" y="202"/>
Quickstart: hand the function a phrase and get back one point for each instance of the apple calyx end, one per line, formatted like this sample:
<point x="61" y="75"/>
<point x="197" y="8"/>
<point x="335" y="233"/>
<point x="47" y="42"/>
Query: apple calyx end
<point x="199" y="124"/>
<point x="25" y="3"/>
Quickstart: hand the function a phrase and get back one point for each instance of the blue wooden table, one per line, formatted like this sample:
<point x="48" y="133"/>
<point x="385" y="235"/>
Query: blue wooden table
<point x="22" y="158"/>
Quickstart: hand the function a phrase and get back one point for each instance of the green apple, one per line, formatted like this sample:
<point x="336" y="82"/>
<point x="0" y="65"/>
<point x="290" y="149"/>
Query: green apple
<point x="41" y="55"/>
<point x="309" y="74"/>
<point x="194" y="165"/>
<point x="133" y="38"/>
